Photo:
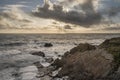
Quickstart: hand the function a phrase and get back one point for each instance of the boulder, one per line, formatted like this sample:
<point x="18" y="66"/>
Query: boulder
<point x="46" y="78"/>
<point x="49" y="60"/>
<point x="82" y="47"/>
<point x="48" y="45"/>
<point x="38" y="64"/>
<point x="39" y="54"/>
<point x="84" y="62"/>
<point x="58" y="63"/>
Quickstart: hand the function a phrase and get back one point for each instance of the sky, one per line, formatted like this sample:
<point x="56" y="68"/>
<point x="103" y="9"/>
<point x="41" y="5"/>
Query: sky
<point x="59" y="16"/>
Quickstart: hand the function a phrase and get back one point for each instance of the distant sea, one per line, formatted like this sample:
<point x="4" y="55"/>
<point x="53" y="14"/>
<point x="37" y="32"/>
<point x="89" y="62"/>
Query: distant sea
<point x="13" y="41"/>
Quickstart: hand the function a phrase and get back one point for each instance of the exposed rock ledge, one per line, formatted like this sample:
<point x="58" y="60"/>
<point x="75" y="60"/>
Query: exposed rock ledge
<point x="88" y="62"/>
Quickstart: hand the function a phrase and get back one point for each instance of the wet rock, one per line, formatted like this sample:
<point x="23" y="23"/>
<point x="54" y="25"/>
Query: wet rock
<point x="39" y="54"/>
<point x="16" y="74"/>
<point x="59" y="55"/>
<point x="38" y="65"/>
<point x="55" y="73"/>
<point x="48" y="45"/>
<point x="44" y="71"/>
<point x="57" y="63"/>
<point x="40" y="74"/>
<point x="49" y="60"/>
<point x="46" y="78"/>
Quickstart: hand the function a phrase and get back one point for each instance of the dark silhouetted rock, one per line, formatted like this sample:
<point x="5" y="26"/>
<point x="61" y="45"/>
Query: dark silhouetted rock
<point x="38" y="54"/>
<point x="16" y="74"/>
<point x="38" y="65"/>
<point x="48" y="45"/>
<point x="49" y="60"/>
<point x="58" y="63"/>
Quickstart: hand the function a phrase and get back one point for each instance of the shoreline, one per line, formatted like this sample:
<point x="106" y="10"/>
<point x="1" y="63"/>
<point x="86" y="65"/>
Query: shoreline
<point x="35" y="64"/>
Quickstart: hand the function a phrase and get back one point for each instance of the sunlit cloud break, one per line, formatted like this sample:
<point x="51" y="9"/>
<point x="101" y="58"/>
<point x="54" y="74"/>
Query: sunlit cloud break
<point x="62" y="16"/>
<point x="81" y="14"/>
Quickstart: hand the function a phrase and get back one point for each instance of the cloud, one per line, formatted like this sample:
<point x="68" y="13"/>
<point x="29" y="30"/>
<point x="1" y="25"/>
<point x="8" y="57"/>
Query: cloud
<point x="110" y="7"/>
<point x="63" y="15"/>
<point x="67" y="27"/>
<point x="85" y="15"/>
<point x="112" y="28"/>
<point x="8" y="7"/>
<point x="14" y="18"/>
<point x="81" y="12"/>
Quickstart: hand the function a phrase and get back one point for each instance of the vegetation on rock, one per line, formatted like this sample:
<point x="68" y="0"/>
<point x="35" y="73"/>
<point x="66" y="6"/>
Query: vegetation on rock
<point x="113" y="47"/>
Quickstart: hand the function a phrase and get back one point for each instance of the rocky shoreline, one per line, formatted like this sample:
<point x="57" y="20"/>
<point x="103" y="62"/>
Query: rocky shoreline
<point x="83" y="62"/>
<point x="88" y="62"/>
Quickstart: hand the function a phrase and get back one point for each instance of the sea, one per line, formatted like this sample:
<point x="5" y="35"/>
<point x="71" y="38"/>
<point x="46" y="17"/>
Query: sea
<point x="12" y="41"/>
<point x="16" y="49"/>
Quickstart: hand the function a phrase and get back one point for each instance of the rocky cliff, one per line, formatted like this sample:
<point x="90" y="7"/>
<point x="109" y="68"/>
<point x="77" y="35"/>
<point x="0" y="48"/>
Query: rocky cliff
<point x="88" y="62"/>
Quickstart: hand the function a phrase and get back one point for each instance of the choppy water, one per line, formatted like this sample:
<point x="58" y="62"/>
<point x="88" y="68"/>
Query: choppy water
<point x="36" y="40"/>
<point x="15" y="49"/>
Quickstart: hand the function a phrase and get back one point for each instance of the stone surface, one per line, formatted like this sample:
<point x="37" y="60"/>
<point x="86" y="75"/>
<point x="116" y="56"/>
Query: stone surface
<point x="48" y="45"/>
<point x="39" y="54"/>
<point x="46" y="78"/>
<point x="49" y="60"/>
<point x="84" y="62"/>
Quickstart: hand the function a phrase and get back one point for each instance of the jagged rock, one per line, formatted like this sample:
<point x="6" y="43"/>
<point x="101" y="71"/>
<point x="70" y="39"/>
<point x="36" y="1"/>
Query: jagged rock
<point x="45" y="71"/>
<point x="48" y="45"/>
<point x="84" y="62"/>
<point x="110" y="42"/>
<point x="112" y="46"/>
<point x="82" y="47"/>
<point x="39" y="54"/>
<point x="49" y="60"/>
<point x="46" y="78"/>
<point x="42" y="72"/>
<point x="58" y="63"/>
<point x="38" y="65"/>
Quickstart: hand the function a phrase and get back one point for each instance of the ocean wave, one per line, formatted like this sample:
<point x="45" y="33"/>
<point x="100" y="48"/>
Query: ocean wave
<point x="13" y="44"/>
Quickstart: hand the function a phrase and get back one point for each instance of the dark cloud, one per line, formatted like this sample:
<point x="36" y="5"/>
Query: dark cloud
<point x="87" y="17"/>
<point x="112" y="28"/>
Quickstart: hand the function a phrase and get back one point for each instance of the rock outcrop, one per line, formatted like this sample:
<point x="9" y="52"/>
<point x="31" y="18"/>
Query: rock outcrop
<point x="39" y="53"/>
<point x="48" y="45"/>
<point x="112" y="46"/>
<point x="88" y="62"/>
